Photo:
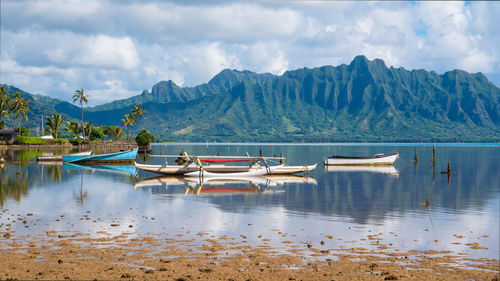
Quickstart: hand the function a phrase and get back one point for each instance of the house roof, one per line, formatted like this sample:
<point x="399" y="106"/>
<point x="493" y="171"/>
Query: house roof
<point x="8" y="131"/>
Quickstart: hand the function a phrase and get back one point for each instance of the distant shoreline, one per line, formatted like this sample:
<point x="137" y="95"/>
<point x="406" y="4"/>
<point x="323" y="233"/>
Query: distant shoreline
<point x="101" y="145"/>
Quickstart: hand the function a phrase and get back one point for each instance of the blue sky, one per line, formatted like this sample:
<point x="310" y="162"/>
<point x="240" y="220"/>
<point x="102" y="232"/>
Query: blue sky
<point x="116" y="49"/>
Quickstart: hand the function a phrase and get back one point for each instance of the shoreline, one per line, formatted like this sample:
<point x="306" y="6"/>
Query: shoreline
<point x="78" y="256"/>
<point x="93" y="145"/>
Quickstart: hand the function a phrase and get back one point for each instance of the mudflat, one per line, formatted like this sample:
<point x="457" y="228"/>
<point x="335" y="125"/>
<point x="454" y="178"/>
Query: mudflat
<point x="60" y="255"/>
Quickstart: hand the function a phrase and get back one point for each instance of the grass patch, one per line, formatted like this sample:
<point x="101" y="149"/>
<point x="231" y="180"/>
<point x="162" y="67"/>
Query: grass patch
<point x="30" y="140"/>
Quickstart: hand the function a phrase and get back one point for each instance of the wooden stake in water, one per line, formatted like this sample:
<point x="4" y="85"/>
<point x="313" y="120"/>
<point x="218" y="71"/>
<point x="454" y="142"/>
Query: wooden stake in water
<point x="416" y="157"/>
<point x="433" y="155"/>
<point x="449" y="171"/>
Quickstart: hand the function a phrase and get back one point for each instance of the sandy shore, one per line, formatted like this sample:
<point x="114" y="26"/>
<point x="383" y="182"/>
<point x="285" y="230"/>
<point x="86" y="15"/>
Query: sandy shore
<point x="78" y="256"/>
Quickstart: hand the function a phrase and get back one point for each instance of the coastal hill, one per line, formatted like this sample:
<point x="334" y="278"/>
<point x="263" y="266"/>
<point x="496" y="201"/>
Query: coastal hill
<point x="362" y="101"/>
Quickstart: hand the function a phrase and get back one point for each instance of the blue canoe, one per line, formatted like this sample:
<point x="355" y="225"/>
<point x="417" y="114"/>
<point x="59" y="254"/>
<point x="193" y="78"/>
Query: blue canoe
<point x="117" y="157"/>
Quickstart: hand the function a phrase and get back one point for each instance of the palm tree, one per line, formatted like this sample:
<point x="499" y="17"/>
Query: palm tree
<point x="4" y="102"/>
<point x="20" y="106"/>
<point x="80" y="96"/>
<point x="136" y="113"/>
<point x="54" y="124"/>
<point x="88" y="128"/>
<point x="4" y="105"/>
<point x="128" y="121"/>
<point x="73" y="127"/>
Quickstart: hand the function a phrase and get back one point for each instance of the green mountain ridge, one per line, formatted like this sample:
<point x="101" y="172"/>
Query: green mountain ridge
<point x="362" y="101"/>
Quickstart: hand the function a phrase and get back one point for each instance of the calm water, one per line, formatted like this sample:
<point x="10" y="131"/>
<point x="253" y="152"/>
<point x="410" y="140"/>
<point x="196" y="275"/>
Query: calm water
<point x="346" y="204"/>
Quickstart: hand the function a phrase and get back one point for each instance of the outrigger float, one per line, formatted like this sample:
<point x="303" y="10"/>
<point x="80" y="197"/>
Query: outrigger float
<point x="192" y="165"/>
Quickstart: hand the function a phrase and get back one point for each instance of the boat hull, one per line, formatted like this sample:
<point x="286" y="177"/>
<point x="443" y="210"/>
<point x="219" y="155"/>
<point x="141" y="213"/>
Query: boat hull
<point x="364" y="161"/>
<point x="118" y="157"/>
<point x="253" y="173"/>
<point x="288" y="170"/>
<point x="181" y="170"/>
<point x="51" y="157"/>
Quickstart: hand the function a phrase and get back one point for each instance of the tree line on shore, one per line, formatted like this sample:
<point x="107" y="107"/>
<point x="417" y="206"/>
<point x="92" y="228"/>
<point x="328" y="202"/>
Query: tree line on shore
<point x="57" y="127"/>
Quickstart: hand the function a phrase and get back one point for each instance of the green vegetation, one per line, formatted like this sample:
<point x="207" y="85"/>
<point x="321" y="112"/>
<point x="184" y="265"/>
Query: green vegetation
<point x="4" y="106"/>
<point x="57" y="141"/>
<point x="23" y="131"/>
<point x="137" y="112"/>
<point x="37" y="140"/>
<point x="54" y="124"/>
<point x="73" y="128"/>
<point x="76" y="141"/>
<point x="144" y="138"/>
<point x="30" y="140"/>
<point x="96" y="133"/>
<point x="128" y="121"/>
<point x="19" y="106"/>
<point x="114" y="131"/>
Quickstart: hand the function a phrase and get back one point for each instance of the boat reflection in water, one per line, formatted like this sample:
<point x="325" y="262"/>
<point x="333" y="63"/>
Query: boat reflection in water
<point x="231" y="185"/>
<point x="119" y="169"/>
<point x="386" y="170"/>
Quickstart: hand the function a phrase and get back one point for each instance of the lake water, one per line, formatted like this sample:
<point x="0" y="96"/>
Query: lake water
<point x="334" y="208"/>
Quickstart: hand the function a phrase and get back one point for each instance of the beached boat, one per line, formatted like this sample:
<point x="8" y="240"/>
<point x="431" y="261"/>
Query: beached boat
<point x="213" y="164"/>
<point x="117" y="157"/>
<point x="51" y="157"/>
<point x="374" y="160"/>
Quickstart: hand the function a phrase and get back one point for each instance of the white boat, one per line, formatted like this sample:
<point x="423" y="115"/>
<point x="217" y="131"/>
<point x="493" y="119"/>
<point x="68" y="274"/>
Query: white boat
<point x="202" y="173"/>
<point x="374" y="160"/>
<point x="190" y="166"/>
<point x="51" y="157"/>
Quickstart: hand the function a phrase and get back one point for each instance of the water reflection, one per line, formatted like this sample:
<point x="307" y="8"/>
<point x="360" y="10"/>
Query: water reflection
<point x="54" y="171"/>
<point x="82" y="195"/>
<point x="388" y="170"/>
<point x="14" y="183"/>
<point x="192" y="185"/>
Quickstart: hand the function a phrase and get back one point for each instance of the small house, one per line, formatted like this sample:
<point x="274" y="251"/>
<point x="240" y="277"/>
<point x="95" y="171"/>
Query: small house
<point x="8" y="134"/>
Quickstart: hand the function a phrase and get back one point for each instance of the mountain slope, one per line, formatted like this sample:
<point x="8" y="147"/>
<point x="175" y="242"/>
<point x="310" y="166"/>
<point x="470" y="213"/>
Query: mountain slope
<point x="362" y="101"/>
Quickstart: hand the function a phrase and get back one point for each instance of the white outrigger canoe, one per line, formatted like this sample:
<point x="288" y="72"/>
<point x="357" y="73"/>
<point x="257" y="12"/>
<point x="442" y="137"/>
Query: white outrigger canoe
<point x="191" y="166"/>
<point x="375" y="160"/>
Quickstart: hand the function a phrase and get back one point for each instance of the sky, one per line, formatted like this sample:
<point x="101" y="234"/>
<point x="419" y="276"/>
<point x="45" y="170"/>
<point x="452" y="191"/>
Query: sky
<point x="117" y="49"/>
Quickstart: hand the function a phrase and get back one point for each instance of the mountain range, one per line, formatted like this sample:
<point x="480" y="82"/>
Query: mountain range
<point x="364" y="101"/>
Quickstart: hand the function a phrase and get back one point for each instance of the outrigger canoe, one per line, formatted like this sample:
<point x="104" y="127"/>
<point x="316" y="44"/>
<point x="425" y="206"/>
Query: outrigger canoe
<point x="216" y="164"/>
<point x="374" y="160"/>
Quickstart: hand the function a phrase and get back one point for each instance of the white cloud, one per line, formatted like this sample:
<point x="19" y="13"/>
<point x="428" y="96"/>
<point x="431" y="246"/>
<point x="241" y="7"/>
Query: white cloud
<point x="119" y="48"/>
<point x="107" y="51"/>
